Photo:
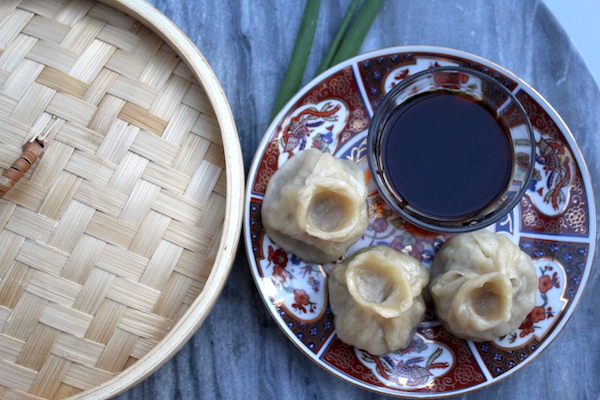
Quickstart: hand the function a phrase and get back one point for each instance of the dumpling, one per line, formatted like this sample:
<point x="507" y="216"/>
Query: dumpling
<point x="483" y="285"/>
<point x="375" y="296"/>
<point x="315" y="206"/>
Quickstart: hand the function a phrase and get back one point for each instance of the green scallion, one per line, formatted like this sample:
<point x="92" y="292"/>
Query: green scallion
<point x="358" y="31"/>
<point x="295" y="71"/>
<point x="339" y="35"/>
<point x="346" y="44"/>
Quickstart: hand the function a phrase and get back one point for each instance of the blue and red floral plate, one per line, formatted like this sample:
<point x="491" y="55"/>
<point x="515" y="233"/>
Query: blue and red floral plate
<point x="555" y="223"/>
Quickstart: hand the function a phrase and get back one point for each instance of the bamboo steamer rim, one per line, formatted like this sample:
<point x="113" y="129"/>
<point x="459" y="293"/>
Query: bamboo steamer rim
<point x="189" y="322"/>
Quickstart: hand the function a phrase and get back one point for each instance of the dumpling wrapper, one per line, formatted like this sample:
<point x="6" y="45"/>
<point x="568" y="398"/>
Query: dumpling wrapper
<point x="315" y="206"/>
<point x="483" y="285"/>
<point x="375" y="296"/>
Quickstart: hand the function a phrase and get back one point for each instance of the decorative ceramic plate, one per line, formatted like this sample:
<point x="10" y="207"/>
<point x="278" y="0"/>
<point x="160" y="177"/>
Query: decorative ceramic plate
<point x="555" y="223"/>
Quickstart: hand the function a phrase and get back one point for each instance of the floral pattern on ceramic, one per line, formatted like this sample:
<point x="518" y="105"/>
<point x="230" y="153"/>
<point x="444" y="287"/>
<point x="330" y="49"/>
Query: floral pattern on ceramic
<point x="573" y="220"/>
<point x="557" y="200"/>
<point x="379" y="74"/>
<point x="552" y="176"/>
<point x="313" y="126"/>
<point x="560" y="240"/>
<point x="462" y="369"/>
<point x="296" y="286"/>
<point x="411" y="367"/>
<point x="326" y="117"/>
<point x="385" y="226"/>
<point x="549" y="303"/>
<point x="563" y="256"/>
<point x="396" y="75"/>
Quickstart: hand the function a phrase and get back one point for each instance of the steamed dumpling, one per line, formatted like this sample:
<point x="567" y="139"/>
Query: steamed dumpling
<point x="375" y="296"/>
<point x="315" y="206"/>
<point x="483" y="285"/>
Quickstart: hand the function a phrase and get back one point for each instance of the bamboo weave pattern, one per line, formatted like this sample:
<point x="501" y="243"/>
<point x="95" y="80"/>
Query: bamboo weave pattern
<point x="111" y="235"/>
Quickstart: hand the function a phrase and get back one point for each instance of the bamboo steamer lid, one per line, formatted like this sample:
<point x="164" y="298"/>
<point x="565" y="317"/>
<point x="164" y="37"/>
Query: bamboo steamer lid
<point x="116" y="243"/>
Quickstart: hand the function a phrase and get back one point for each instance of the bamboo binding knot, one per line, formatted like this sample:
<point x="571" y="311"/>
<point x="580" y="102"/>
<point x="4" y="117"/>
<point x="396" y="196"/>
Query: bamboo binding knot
<point x="31" y="152"/>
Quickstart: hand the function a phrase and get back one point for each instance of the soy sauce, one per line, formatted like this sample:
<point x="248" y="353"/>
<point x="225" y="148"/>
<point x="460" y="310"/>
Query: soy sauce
<point x="446" y="154"/>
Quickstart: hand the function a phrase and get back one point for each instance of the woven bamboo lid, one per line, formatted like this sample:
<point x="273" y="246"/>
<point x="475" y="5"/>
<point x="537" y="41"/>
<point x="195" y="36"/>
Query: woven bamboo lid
<point x="117" y="241"/>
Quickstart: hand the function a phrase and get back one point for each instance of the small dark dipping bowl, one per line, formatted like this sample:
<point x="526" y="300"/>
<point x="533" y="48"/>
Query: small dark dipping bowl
<point x="451" y="149"/>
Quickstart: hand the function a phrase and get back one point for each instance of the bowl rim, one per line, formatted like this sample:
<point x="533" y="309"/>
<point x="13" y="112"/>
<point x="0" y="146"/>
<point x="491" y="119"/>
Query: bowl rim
<point x="419" y="219"/>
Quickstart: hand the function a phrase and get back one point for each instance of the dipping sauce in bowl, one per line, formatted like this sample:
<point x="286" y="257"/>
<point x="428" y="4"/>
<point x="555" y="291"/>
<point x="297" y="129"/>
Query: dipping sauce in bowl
<point x="451" y="149"/>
